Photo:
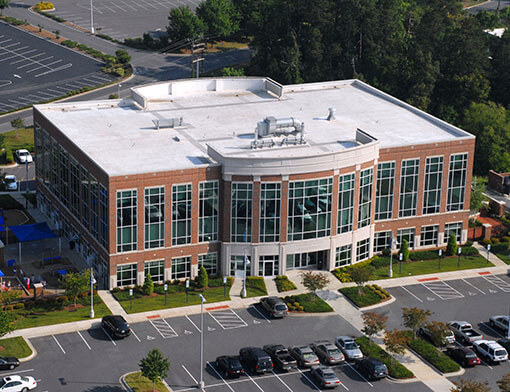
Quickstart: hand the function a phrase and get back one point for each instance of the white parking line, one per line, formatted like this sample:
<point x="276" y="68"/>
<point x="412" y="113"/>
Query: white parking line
<point x="286" y="386"/>
<point x="228" y="319"/>
<point x="498" y="282"/>
<point x="219" y="375"/>
<point x="258" y="386"/>
<point x="443" y="290"/>
<point x="109" y="337"/>
<point x="84" y="341"/>
<point x="473" y="286"/>
<point x="191" y="375"/>
<point x="17" y="372"/>
<point x="403" y="288"/>
<point x="165" y="330"/>
<point x="309" y="380"/>
<point x="58" y="343"/>
<point x="134" y="334"/>
<point x="359" y="374"/>
<point x="198" y="329"/>
<point x="34" y="62"/>
<point x="44" y="66"/>
<point x="486" y="325"/>
<point x="256" y="310"/>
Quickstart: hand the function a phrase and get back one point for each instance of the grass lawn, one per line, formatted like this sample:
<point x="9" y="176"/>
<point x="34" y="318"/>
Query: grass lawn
<point x="412" y="268"/>
<point x="504" y="257"/>
<point x="139" y="383"/>
<point x="255" y="286"/>
<point x="367" y="298"/>
<point x="39" y="317"/>
<point x="174" y="300"/>
<point x="21" y="138"/>
<point x="14" y="347"/>
<point x="309" y="302"/>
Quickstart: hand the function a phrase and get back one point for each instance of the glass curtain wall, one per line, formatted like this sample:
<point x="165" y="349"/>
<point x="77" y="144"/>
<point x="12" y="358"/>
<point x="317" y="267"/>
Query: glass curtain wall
<point x="365" y="197"/>
<point x="457" y="182"/>
<point x="384" y="190"/>
<point x="208" y="211"/>
<point x="126" y="220"/>
<point x="409" y="187"/>
<point x="181" y="214"/>
<point x="345" y="203"/>
<point x="270" y="199"/>
<point x="154" y="217"/>
<point x="242" y="200"/>
<point x="433" y="185"/>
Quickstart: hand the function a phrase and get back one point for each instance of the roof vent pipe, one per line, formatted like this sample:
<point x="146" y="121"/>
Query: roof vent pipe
<point x="331" y="115"/>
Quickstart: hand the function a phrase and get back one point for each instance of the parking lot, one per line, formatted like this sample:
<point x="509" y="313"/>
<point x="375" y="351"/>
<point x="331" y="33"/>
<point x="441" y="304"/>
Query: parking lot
<point x="36" y="70"/>
<point x="121" y="18"/>
<point x="90" y="360"/>
<point x="473" y="300"/>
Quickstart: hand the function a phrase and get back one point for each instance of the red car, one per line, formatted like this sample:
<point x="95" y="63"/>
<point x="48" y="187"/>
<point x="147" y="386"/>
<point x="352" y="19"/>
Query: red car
<point x="464" y="355"/>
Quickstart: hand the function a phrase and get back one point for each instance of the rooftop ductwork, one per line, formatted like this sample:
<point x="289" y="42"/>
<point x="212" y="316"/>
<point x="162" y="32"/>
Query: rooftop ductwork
<point x="331" y="115"/>
<point x="272" y="126"/>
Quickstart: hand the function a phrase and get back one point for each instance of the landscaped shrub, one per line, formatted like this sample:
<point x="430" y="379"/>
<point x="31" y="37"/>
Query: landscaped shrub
<point x="469" y="251"/>
<point x="451" y="247"/>
<point x="435" y="357"/>
<point x="367" y="298"/>
<point x="386" y="252"/>
<point x="379" y="262"/>
<point x="343" y="273"/>
<point x="499" y="248"/>
<point x="148" y="285"/>
<point x="19" y="305"/>
<point x="308" y="302"/>
<point x="44" y="5"/>
<point x="202" y="279"/>
<point x="424" y="255"/>
<point x="9" y="158"/>
<point x="495" y="240"/>
<point x="14" y="21"/>
<point x="284" y="284"/>
<point x="485" y="242"/>
<point x="468" y="243"/>
<point x="505" y="239"/>
<point x="395" y="368"/>
<point x="69" y="43"/>
<point x="404" y="249"/>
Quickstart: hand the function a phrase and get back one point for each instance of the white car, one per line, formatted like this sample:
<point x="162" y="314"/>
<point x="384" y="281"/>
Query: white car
<point x="23" y="156"/>
<point x="10" y="182"/>
<point x="17" y="384"/>
<point x="348" y="347"/>
<point x="490" y="350"/>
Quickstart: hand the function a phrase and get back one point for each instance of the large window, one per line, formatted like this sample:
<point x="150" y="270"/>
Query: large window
<point x="309" y="209"/>
<point x="156" y="269"/>
<point x="208" y="211"/>
<point x="94" y="207"/>
<point x="84" y="196"/>
<point x="181" y="267"/>
<point x="55" y="163"/>
<point x="429" y="235"/>
<point x="103" y="221"/>
<point x="64" y="177"/>
<point x="126" y="274"/>
<point x="75" y="187"/>
<point x="181" y="214"/>
<point x="345" y="203"/>
<point x="365" y="197"/>
<point x="453" y="228"/>
<point x="154" y="217"/>
<point x="382" y="241"/>
<point x="241" y="212"/>
<point x="268" y="265"/>
<point x="384" y="190"/>
<point x="126" y="220"/>
<point x="343" y="255"/>
<point x="406" y="234"/>
<point x="433" y="185"/>
<point x="457" y="182"/>
<point x="409" y="187"/>
<point x="237" y="264"/>
<point x="270" y="199"/>
<point x="362" y="249"/>
<point x="210" y="263"/>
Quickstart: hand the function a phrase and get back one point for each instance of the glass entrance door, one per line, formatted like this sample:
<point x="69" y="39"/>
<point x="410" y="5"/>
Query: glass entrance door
<point x="309" y="259"/>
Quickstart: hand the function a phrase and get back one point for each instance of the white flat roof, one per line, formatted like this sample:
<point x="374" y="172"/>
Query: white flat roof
<point x="120" y="136"/>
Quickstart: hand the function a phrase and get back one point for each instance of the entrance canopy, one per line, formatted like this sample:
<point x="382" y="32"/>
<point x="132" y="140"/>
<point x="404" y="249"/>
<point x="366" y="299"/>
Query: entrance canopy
<point x="33" y="232"/>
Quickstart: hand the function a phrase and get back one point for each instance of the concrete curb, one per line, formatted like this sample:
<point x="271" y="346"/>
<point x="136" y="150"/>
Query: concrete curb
<point x="34" y="351"/>
<point x="379" y="305"/>
<point x="127" y="388"/>
<point x="404" y="380"/>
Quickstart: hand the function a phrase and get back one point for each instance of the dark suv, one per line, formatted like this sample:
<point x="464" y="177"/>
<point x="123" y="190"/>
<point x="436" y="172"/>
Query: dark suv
<point x="274" y="306"/>
<point x="255" y="359"/>
<point x="117" y="326"/>
<point x="372" y="368"/>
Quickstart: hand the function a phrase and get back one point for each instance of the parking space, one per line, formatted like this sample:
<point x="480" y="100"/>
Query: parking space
<point x="36" y="70"/>
<point x="228" y="319"/>
<point x="443" y="290"/>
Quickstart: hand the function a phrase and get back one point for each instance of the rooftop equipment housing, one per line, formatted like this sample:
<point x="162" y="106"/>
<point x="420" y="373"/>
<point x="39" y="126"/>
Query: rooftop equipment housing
<point x="277" y="127"/>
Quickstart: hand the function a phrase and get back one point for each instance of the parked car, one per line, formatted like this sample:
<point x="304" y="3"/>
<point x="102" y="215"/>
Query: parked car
<point x="349" y="347"/>
<point x="229" y="366"/>
<point x="505" y="343"/>
<point x="23" y="156"/>
<point x="325" y="376"/>
<point x="116" y="325"/>
<point x="372" y="368"/>
<point x="464" y="332"/>
<point x="255" y="359"/>
<point x="10" y="183"/>
<point x="8" y="363"/>
<point x="328" y="353"/>
<point x="280" y="356"/>
<point x="424" y="332"/>
<point x="274" y="306"/>
<point x="463" y="355"/>
<point x="17" y="383"/>
<point x="500" y="322"/>
<point x="490" y="350"/>
<point x="304" y="356"/>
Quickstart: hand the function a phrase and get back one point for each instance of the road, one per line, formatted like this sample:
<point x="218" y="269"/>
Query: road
<point x="489" y="6"/>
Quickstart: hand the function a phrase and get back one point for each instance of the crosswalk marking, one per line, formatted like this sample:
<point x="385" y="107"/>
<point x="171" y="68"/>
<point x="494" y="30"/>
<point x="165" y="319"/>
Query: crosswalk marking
<point x="443" y="290"/>
<point x="228" y="319"/>
<point x="165" y="330"/>
<point x="498" y="282"/>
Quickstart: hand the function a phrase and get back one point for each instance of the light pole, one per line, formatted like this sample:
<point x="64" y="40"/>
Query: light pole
<point x="400" y="257"/>
<point x="488" y="252"/>
<point x="26" y="188"/>
<point x="92" y="283"/>
<point x="91" y="17"/>
<point x="225" y="286"/>
<point x="166" y="288"/>
<point x="202" y="300"/>
<point x="118" y="90"/>
<point x="440" y="254"/>
<point x="393" y="243"/>
<point x="459" y="251"/>
<point x="130" y="299"/>
<point x="245" y="262"/>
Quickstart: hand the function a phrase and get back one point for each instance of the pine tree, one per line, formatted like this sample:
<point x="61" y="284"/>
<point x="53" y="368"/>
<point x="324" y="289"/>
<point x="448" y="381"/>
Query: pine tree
<point x="451" y="248"/>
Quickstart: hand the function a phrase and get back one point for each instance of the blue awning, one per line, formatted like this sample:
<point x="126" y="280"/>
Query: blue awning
<point x="33" y="232"/>
<point x="62" y="272"/>
<point x="1" y="273"/>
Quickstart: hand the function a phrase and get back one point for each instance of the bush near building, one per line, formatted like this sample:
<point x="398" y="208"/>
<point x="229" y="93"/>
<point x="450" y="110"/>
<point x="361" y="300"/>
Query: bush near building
<point x="432" y="355"/>
<point x="308" y="302"/>
<point x="371" y="295"/>
<point x="283" y="283"/>
<point x="44" y="6"/>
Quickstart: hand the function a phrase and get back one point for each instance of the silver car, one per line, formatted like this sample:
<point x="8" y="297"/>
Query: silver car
<point x="304" y="356"/>
<point x="327" y="352"/>
<point x="325" y="376"/>
<point x="348" y="347"/>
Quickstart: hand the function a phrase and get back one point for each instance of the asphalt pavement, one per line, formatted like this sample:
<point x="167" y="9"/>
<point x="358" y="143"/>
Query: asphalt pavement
<point x="492" y="5"/>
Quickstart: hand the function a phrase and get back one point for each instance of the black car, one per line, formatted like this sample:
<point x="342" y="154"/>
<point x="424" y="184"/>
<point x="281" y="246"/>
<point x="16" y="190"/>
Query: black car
<point x="372" y="368"/>
<point x="229" y="366"/>
<point x="274" y="306"/>
<point x="505" y="343"/>
<point x="117" y="326"/>
<point x="8" y="363"/>
<point x="463" y="355"/>
<point x="255" y="359"/>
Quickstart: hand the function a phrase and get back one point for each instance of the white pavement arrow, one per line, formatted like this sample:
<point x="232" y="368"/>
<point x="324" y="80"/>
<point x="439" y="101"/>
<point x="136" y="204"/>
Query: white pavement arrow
<point x="256" y="322"/>
<point x="150" y="337"/>
<point x="186" y="332"/>
<point x="471" y="294"/>
<point x="430" y="299"/>
<point x="211" y="329"/>
<point x="492" y="291"/>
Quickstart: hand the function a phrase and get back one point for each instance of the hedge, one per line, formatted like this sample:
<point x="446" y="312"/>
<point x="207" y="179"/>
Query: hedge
<point x="395" y="368"/>
<point x="308" y="302"/>
<point x="424" y="255"/>
<point x="435" y="357"/>
<point x="367" y="298"/>
<point x="283" y="283"/>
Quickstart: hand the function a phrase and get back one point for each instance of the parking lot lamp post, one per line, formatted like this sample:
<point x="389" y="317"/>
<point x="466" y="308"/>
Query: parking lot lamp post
<point x="118" y="90"/>
<point x="400" y="257"/>
<point x="225" y="286"/>
<point x="202" y="300"/>
<point x="488" y="252"/>
<point x="166" y="288"/>
<point x="91" y="17"/>
<point x="440" y="254"/>
<point x="26" y="187"/>
<point x="393" y="244"/>
<point x="130" y="299"/>
<point x="459" y="251"/>
<point x="92" y="283"/>
<point x="187" y="287"/>
<point x="245" y="262"/>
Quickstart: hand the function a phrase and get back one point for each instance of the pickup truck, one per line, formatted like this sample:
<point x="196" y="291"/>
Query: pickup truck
<point x="500" y="322"/>
<point x="464" y="332"/>
<point x="280" y="356"/>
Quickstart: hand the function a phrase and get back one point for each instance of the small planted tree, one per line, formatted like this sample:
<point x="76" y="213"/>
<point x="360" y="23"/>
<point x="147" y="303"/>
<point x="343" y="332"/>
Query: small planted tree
<point x="154" y="367"/>
<point x="414" y="318"/>
<point x="451" y="247"/>
<point x="373" y="323"/>
<point x="404" y="249"/>
<point x="202" y="278"/>
<point x="361" y="275"/>
<point x="3" y="4"/>
<point x="148" y="285"/>
<point x="313" y="282"/>
<point x="6" y="323"/>
<point x="471" y="386"/>
<point x="76" y="283"/>
<point x="123" y="57"/>
<point x="504" y="383"/>
<point x="396" y="341"/>
<point x="10" y="296"/>
<point x="438" y="332"/>
<point x="183" y="24"/>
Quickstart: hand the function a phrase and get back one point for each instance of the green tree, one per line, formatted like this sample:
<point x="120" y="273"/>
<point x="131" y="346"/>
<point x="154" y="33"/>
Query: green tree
<point x="123" y="57"/>
<point x="148" y="285"/>
<point x="202" y="278"/>
<point x="313" y="282"/>
<point x="184" y="24"/>
<point x="396" y="341"/>
<point x="361" y="275"/>
<point x="438" y="332"/>
<point x="451" y="247"/>
<point x="233" y="71"/>
<point x="220" y="17"/>
<point x="76" y="283"/>
<point x="500" y="72"/>
<point x="154" y="367"/>
<point x="414" y="318"/>
<point x="477" y="195"/>
<point x="9" y="296"/>
<point x="17" y="123"/>
<point x="504" y="383"/>
<point x="6" y="323"/>
<point x="3" y="4"/>
<point x="404" y="249"/>
<point x="373" y="323"/>
<point x="470" y="386"/>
